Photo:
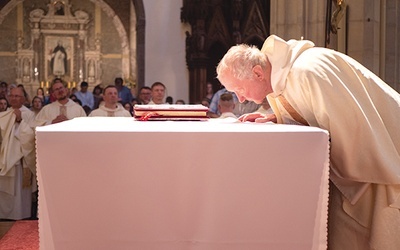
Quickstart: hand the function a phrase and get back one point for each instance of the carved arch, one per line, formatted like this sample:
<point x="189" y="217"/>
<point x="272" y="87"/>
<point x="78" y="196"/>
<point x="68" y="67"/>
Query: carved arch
<point x="219" y="25"/>
<point x="218" y="30"/>
<point x="140" y="41"/>
<point x="8" y="8"/>
<point x="254" y="24"/>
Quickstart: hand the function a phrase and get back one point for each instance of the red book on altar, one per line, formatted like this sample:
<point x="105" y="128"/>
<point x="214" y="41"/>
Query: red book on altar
<point x="163" y="112"/>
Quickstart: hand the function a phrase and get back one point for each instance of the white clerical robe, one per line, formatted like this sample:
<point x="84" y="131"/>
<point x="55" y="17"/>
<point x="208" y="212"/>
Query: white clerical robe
<point x="334" y="92"/>
<point x="119" y="111"/>
<point x="54" y="109"/>
<point x="17" y="159"/>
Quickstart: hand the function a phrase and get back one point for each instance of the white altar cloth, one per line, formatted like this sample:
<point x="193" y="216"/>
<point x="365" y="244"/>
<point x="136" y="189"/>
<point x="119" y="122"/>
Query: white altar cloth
<point x="116" y="183"/>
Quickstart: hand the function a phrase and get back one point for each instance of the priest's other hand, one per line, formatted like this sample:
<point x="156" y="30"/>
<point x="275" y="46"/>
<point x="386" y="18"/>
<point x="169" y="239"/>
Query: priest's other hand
<point x="257" y="117"/>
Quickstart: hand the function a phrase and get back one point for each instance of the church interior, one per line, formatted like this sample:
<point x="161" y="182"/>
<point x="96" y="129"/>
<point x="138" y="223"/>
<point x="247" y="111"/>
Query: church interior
<point x="179" y="42"/>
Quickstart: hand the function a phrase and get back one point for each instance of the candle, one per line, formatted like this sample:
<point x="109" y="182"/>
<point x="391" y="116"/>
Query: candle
<point x="47" y="84"/>
<point x="74" y="84"/>
<point x="69" y="85"/>
<point x="41" y="84"/>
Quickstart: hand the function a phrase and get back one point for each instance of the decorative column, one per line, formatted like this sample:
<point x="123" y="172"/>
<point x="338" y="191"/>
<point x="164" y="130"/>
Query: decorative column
<point x="81" y="55"/>
<point x="196" y="42"/>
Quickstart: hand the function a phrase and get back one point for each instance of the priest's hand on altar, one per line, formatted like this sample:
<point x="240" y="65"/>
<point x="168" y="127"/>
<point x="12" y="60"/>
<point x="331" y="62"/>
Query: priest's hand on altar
<point x="257" y="117"/>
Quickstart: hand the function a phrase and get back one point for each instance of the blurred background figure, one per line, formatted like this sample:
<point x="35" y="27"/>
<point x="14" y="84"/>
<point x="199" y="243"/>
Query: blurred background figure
<point x="213" y="111"/>
<point x="3" y="89"/>
<point x="245" y="107"/>
<point x="27" y="102"/>
<point x="226" y="105"/>
<point x="124" y="93"/>
<point x="128" y="107"/>
<point x="209" y="91"/>
<point x="97" y="96"/>
<point x="37" y="105"/>
<point x="85" y="97"/>
<point x="169" y="100"/>
<point x="73" y="91"/>
<point x="3" y="104"/>
<point x="40" y="93"/>
<point x="144" y="95"/>
<point x="134" y="102"/>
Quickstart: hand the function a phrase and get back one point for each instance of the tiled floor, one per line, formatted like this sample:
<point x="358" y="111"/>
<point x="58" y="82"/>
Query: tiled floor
<point x="4" y="227"/>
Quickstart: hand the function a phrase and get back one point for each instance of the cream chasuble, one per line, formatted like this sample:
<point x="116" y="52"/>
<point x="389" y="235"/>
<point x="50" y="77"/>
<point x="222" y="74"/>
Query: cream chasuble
<point x="119" y="111"/>
<point x="54" y="109"/>
<point x="334" y="92"/>
<point x="17" y="165"/>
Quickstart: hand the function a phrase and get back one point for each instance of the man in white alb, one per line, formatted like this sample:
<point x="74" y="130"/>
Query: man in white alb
<point x="62" y="109"/>
<point x="18" y="162"/>
<point x="157" y="93"/>
<point x="110" y="107"/>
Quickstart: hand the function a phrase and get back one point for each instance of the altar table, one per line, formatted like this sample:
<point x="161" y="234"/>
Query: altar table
<point x="117" y="183"/>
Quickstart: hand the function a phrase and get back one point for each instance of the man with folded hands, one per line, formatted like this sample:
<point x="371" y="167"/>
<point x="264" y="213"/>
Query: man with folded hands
<point x="17" y="158"/>
<point x="62" y="109"/>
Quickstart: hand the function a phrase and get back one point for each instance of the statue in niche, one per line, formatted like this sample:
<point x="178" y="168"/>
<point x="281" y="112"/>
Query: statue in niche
<point x="20" y="42"/>
<point x="91" y="69"/>
<point x="338" y="15"/>
<point x="188" y="43"/>
<point x="59" y="9"/>
<point x="98" y="44"/>
<point x="59" y="59"/>
<point x="26" y="67"/>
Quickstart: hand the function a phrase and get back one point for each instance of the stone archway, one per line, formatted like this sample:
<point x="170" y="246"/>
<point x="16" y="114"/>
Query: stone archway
<point x="140" y="41"/>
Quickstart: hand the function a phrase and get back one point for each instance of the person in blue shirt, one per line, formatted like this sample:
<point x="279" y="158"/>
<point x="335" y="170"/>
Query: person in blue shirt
<point x="124" y="93"/>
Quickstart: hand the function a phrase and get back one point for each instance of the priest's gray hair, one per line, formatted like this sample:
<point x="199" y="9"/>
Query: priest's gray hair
<point x="240" y="60"/>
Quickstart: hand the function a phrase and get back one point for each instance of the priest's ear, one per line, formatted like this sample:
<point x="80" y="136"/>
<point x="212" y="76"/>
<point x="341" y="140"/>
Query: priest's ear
<point x="258" y="72"/>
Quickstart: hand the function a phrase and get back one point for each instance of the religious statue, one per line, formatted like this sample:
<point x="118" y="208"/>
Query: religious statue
<point x="59" y="8"/>
<point x="59" y="60"/>
<point x="337" y="15"/>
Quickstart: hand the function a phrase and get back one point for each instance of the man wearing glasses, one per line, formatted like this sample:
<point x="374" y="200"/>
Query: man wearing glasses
<point x="17" y="165"/>
<point x="60" y="110"/>
<point x="145" y="95"/>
